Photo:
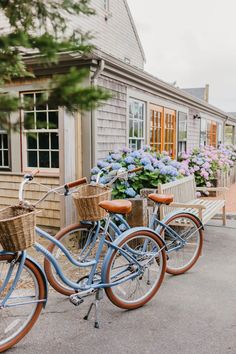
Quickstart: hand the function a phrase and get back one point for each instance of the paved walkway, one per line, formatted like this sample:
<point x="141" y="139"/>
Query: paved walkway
<point x="192" y="314"/>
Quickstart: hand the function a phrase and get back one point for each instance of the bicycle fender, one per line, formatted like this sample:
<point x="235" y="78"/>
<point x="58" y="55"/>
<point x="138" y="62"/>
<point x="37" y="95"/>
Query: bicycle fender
<point x="173" y="213"/>
<point x="41" y="270"/>
<point x="120" y="239"/>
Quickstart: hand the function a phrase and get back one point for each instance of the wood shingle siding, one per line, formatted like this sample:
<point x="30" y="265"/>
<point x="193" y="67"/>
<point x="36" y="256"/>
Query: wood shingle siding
<point x="50" y="208"/>
<point x="111" y="119"/>
<point x="193" y="126"/>
<point x="114" y="31"/>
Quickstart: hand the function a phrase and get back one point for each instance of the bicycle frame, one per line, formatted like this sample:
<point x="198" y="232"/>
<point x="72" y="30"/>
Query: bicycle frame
<point x="152" y="225"/>
<point x="93" y="264"/>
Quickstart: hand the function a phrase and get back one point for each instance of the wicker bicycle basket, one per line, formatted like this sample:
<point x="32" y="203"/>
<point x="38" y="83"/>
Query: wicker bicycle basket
<point x="17" y="228"/>
<point x="86" y="200"/>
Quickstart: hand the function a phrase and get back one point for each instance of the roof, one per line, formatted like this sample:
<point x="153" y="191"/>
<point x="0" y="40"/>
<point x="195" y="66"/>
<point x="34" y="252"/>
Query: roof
<point x="115" y="68"/>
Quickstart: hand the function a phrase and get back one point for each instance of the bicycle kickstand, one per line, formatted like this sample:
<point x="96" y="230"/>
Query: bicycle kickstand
<point x="98" y="297"/>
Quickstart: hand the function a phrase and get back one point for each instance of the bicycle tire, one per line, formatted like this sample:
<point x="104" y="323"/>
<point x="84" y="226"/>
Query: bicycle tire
<point x="189" y="263"/>
<point x="161" y="263"/>
<point x="29" y="266"/>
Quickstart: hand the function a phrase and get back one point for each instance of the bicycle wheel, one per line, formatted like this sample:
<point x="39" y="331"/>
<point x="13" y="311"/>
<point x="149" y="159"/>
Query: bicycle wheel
<point x="148" y="250"/>
<point x="17" y="321"/>
<point x="74" y="238"/>
<point x="180" y="260"/>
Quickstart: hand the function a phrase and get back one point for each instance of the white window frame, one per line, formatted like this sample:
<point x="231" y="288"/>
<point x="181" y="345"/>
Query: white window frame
<point x="220" y="133"/>
<point x="2" y="149"/>
<point x="182" y="142"/>
<point x="138" y="121"/>
<point x="203" y="133"/>
<point x="48" y="170"/>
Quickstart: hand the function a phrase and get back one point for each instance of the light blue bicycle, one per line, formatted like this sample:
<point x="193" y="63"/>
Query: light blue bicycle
<point x="181" y="230"/>
<point x="131" y="272"/>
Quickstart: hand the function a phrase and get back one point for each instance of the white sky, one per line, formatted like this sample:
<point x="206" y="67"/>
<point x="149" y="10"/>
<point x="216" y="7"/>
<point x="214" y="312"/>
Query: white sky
<point x="192" y="42"/>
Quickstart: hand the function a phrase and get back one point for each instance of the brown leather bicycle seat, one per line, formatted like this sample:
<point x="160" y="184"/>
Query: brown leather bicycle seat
<point x="161" y="198"/>
<point x="118" y="206"/>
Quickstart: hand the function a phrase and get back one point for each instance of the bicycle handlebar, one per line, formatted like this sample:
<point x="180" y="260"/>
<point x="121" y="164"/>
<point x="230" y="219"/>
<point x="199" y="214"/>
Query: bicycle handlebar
<point x="34" y="172"/>
<point x="75" y="183"/>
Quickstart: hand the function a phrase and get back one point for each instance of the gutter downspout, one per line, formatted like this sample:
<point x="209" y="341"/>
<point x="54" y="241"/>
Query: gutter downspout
<point x="97" y="73"/>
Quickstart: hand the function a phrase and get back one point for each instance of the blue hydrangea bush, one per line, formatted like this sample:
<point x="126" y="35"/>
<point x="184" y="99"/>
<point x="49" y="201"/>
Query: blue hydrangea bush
<point x="157" y="168"/>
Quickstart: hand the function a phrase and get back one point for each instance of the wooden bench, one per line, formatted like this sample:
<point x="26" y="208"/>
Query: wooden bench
<point x="184" y="191"/>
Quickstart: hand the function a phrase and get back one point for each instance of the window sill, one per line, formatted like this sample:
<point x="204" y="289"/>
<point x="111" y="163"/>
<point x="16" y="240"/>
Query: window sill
<point x="41" y="174"/>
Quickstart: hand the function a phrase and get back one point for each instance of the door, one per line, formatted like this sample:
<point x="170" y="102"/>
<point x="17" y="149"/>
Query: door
<point x="212" y="133"/>
<point x="163" y="129"/>
<point x="156" y="128"/>
<point x="170" y="131"/>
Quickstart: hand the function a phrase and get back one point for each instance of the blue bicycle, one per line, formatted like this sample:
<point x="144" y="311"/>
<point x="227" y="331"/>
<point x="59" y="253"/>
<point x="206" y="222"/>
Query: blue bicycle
<point x="181" y="230"/>
<point x="131" y="272"/>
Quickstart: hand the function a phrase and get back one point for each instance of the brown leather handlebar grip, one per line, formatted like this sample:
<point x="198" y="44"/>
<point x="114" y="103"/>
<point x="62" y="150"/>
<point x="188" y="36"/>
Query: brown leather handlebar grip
<point x="136" y="169"/>
<point x="76" y="183"/>
<point x="34" y="172"/>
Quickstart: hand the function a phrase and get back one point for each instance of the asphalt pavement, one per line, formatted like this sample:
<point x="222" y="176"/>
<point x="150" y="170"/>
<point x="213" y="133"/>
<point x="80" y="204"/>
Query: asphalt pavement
<point x="194" y="313"/>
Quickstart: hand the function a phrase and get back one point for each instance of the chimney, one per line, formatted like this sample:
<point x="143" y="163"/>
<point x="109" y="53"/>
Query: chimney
<point x="206" y="93"/>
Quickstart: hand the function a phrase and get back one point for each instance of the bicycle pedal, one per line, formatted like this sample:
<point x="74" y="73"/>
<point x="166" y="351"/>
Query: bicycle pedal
<point x="76" y="300"/>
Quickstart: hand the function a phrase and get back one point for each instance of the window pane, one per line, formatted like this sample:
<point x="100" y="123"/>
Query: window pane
<point x="44" y="159"/>
<point x="29" y="120"/>
<point x="40" y="101"/>
<point x="5" y="141"/>
<point x="1" y="158"/>
<point x="135" y="128"/>
<point x="43" y="140"/>
<point x="6" y="163"/>
<point x="52" y="106"/>
<point x="54" y="141"/>
<point x="139" y="144"/>
<point x="32" y="159"/>
<point x="131" y="128"/>
<point x="53" y="120"/>
<point x="55" y="159"/>
<point x="32" y="141"/>
<point x="41" y="120"/>
<point x="29" y="101"/>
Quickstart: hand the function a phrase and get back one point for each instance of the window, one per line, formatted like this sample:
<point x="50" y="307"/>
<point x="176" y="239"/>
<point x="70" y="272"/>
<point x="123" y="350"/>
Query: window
<point x="229" y="134"/>
<point x="4" y="150"/>
<point x="182" y="132"/>
<point x="136" y="124"/>
<point x="209" y="134"/>
<point x="40" y="133"/>
<point x="163" y="129"/>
